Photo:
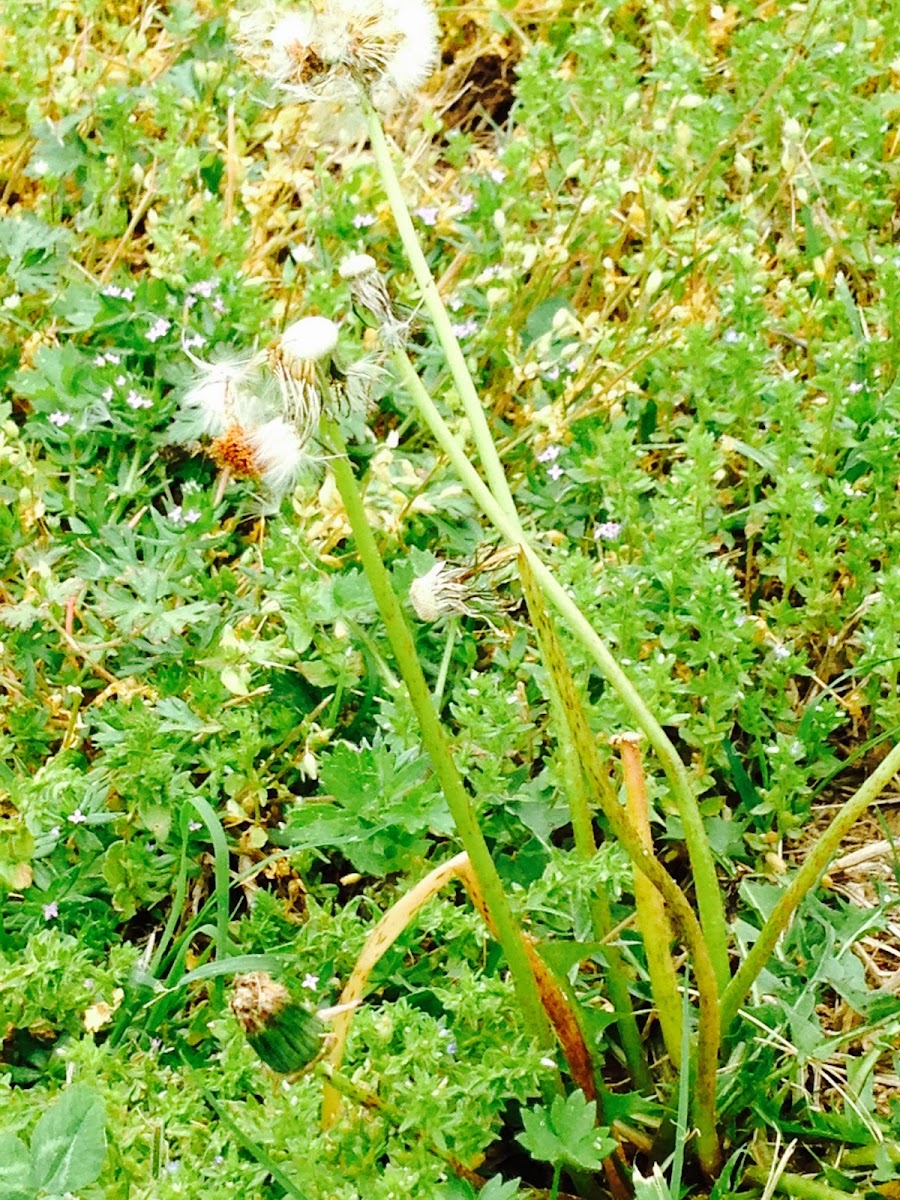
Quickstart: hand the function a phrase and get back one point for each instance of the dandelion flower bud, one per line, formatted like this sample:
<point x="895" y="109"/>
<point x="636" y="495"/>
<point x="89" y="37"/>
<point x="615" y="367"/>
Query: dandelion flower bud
<point x="283" y="1033"/>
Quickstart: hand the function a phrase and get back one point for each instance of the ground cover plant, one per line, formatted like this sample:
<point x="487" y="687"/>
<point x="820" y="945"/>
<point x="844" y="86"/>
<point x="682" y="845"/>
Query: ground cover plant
<point x="448" y="603"/>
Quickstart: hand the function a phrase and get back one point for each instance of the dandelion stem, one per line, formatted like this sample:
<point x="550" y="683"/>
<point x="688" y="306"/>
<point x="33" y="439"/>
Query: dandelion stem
<point x="709" y="897"/>
<point x="804" y="880"/>
<point x="490" y="459"/>
<point x="435" y="741"/>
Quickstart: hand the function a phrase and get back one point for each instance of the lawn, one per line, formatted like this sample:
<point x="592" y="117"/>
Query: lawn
<point x="449" y="591"/>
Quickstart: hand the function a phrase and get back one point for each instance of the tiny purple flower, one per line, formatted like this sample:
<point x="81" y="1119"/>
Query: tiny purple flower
<point x="555" y="472"/>
<point x="552" y="374"/>
<point x="77" y="817"/>
<point x="158" y="329"/>
<point x="51" y="911"/>
<point x="550" y="454"/>
<point x="59" y="419"/>
<point x="204" y="288"/>
<point x="465" y="328"/>
<point x="466" y="203"/>
<point x="428" y="213"/>
<point x="608" y="531"/>
<point x="363" y="220"/>
<point x="310" y="982"/>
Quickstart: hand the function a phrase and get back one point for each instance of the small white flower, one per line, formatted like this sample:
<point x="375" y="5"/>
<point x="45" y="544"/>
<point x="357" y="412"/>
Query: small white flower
<point x="158" y="329"/>
<point x="310" y="982"/>
<point x="59" y="419"/>
<point x="363" y="220"/>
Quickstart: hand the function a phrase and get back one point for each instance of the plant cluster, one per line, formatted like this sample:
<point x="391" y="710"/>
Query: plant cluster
<point x="448" y="600"/>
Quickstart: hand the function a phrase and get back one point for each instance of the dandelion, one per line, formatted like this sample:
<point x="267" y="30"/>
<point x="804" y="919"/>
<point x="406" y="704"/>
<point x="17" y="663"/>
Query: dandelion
<point x="331" y="52"/>
<point x="369" y="291"/>
<point x="220" y="395"/>
<point x="446" y="591"/>
<point x="298" y="360"/>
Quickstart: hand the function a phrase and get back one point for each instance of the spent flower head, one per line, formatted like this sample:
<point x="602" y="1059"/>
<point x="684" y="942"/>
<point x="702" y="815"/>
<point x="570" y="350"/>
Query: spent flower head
<point x="446" y="590"/>
<point x="334" y="50"/>
<point x="369" y="292"/>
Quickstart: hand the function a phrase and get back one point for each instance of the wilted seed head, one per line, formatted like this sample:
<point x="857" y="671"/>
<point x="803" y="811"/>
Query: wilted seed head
<point x="272" y="453"/>
<point x="296" y="358"/>
<point x="441" y="592"/>
<point x="351" y="389"/>
<point x="369" y="291"/>
<point x="220" y="394"/>
<point x="256" y="999"/>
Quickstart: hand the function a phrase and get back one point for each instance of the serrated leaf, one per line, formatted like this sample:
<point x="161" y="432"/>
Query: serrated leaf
<point x="566" y="1133"/>
<point x="69" y="1143"/>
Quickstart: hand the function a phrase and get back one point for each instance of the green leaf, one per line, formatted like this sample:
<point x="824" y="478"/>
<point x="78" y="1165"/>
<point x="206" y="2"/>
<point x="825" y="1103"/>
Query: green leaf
<point x="69" y="1143"/>
<point x="653" y="1187"/>
<point x="15" y="1165"/>
<point x="566" y="1133"/>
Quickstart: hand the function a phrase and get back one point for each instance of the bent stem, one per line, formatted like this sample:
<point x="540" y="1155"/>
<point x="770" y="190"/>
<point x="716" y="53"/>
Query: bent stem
<point x="709" y="897"/>
<point x="805" y="879"/>
<point x="437" y="746"/>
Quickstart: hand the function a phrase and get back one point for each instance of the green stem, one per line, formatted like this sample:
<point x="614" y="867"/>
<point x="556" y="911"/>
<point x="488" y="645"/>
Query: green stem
<point x="437" y="747"/>
<point x="803" y="881"/>
<point x="560" y="684"/>
<point x="490" y="459"/>
<point x="709" y="897"/>
<point x="796" y="1185"/>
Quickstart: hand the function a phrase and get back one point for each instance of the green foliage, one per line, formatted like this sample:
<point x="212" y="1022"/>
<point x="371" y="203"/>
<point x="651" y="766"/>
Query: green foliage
<point x="566" y="1133"/>
<point x="679" y="296"/>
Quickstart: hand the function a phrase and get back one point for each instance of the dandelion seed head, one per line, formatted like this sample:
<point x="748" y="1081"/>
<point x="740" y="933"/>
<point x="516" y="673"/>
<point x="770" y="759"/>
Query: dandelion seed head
<point x="355" y="265"/>
<point x="219" y="395"/>
<point x="235" y="451"/>
<point x="280" y="454"/>
<point x="440" y="592"/>
<point x="310" y="339"/>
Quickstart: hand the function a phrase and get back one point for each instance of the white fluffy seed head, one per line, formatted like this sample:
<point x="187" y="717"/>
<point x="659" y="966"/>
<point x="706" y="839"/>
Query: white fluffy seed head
<point x="331" y="50"/>
<point x="219" y="395"/>
<point x="280" y="454"/>
<point x="355" y="265"/>
<point x="309" y="340"/>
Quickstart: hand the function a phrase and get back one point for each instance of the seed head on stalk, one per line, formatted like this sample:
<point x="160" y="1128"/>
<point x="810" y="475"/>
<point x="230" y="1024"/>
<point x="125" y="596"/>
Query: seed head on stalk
<point x="333" y="49"/>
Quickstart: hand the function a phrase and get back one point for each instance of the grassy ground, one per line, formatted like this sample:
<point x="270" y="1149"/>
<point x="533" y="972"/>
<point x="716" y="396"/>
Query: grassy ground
<point x="666" y="235"/>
